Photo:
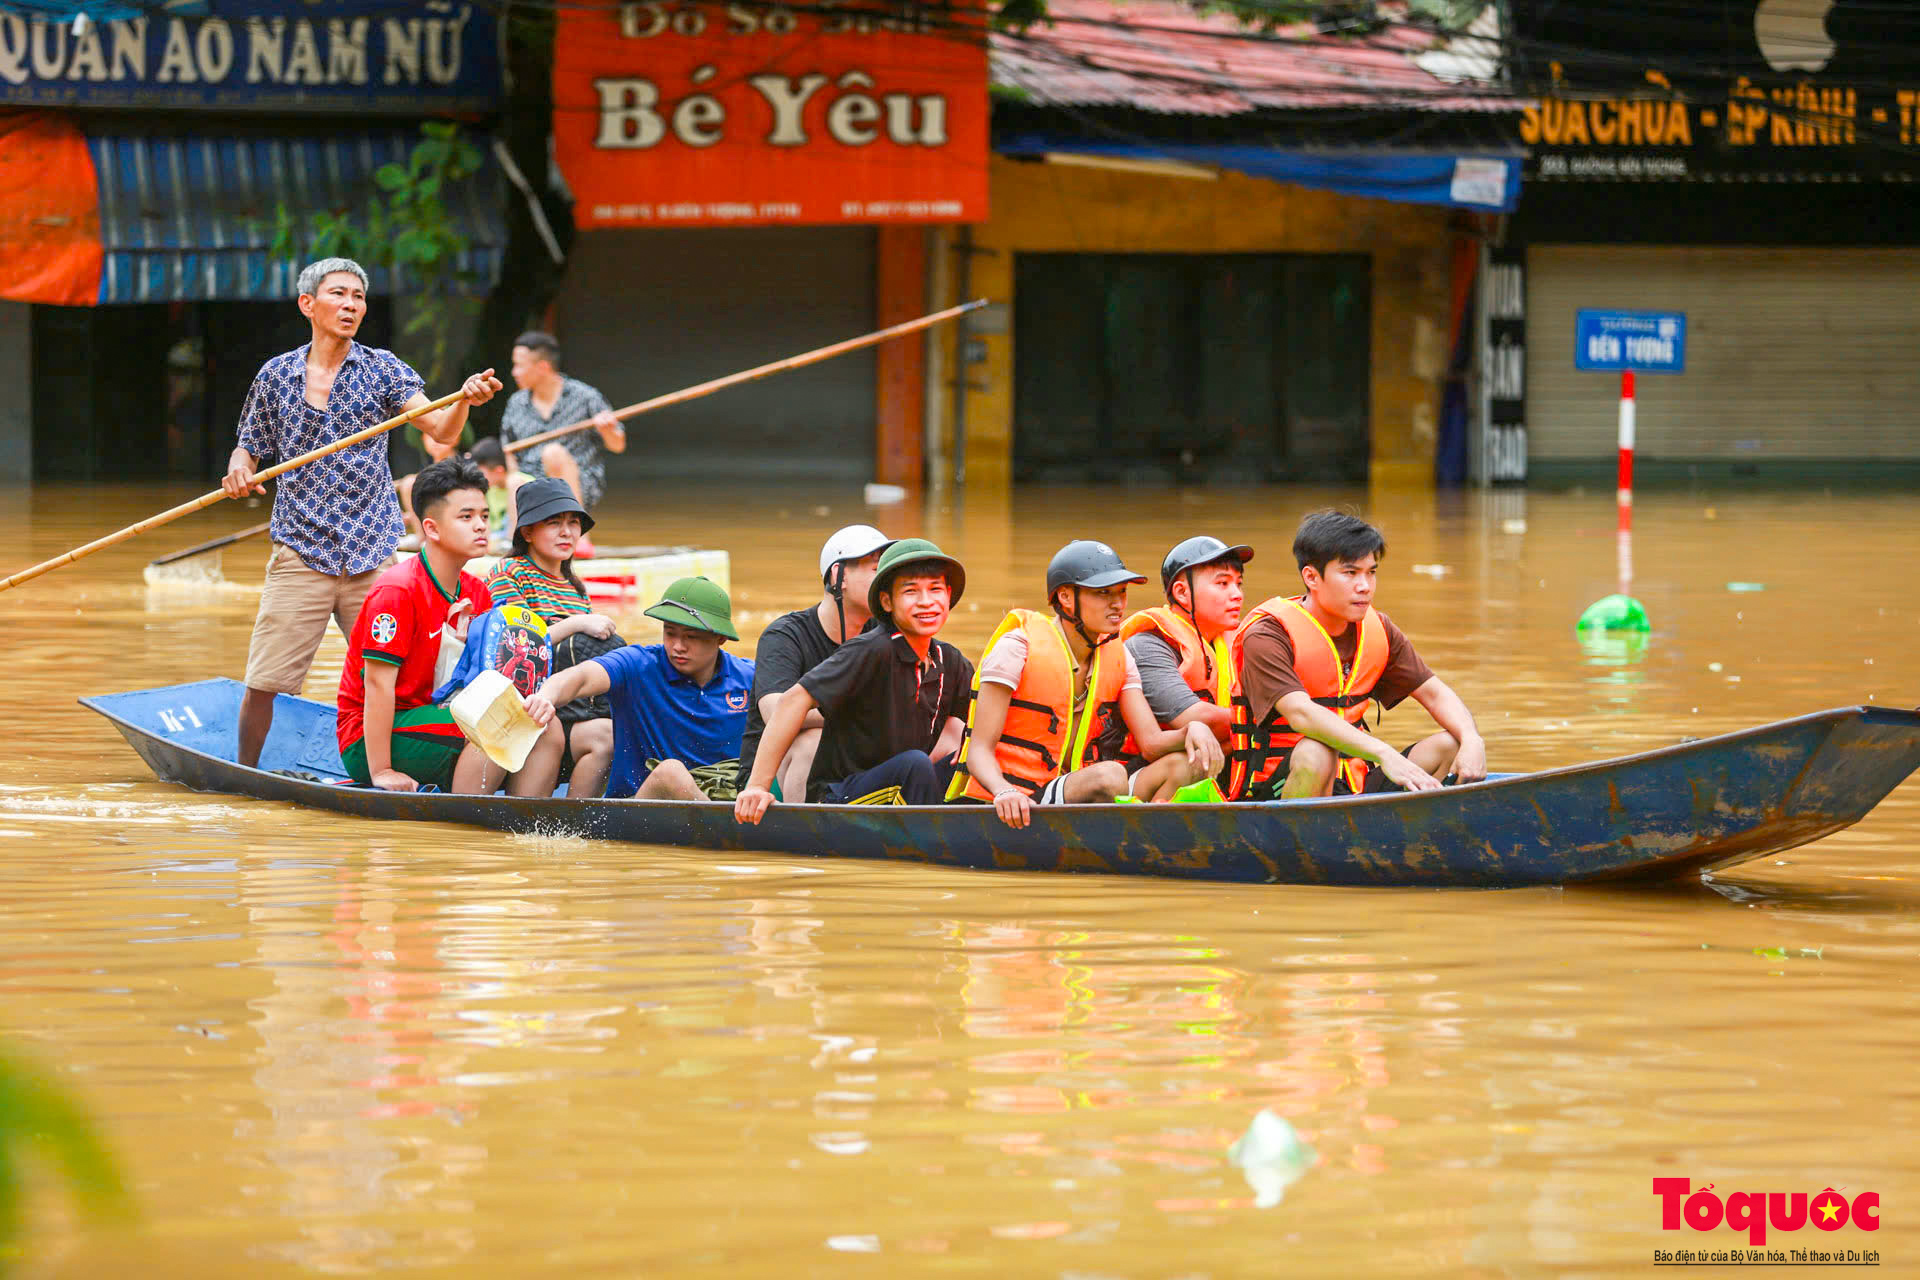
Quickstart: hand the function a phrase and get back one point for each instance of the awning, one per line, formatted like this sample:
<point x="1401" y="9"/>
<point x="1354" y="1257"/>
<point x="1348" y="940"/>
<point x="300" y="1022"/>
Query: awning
<point x="191" y="217"/>
<point x="1485" y="181"/>
<point x="49" y="222"/>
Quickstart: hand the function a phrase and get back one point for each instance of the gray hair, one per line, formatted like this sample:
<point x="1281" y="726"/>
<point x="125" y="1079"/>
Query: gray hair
<point x="315" y="272"/>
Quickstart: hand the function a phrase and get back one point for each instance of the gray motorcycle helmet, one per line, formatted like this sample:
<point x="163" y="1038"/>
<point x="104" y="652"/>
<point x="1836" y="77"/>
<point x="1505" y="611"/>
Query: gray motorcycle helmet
<point x="1085" y="563"/>
<point x="1196" y="551"/>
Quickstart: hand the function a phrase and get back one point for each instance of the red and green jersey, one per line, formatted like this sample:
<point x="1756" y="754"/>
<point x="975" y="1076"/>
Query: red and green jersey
<point x="400" y="624"/>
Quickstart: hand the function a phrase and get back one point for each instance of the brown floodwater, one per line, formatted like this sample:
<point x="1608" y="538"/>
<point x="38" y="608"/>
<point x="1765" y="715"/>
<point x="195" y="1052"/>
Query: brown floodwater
<point x="327" y="1045"/>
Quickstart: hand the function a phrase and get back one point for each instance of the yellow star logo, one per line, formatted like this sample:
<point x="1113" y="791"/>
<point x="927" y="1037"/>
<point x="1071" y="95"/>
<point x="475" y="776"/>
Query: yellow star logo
<point x="1827" y="1210"/>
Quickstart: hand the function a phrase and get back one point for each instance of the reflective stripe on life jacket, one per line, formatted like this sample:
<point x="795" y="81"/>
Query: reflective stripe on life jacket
<point x="1207" y="669"/>
<point x="1259" y="748"/>
<point x="1042" y="738"/>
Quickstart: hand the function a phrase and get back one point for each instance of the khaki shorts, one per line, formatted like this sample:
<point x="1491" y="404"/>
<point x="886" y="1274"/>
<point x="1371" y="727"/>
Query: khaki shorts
<point x="294" y="608"/>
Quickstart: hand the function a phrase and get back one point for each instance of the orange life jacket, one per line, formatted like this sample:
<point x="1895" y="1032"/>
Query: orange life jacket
<point x="1207" y="669"/>
<point x="1042" y="738"/>
<point x="1258" y="748"/>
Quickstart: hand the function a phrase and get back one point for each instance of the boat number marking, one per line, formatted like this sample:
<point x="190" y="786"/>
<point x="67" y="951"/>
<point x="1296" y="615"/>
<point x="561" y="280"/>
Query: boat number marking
<point x="174" y="722"/>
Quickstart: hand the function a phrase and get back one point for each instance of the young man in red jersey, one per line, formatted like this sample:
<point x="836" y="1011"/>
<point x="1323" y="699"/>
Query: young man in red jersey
<point x="391" y="734"/>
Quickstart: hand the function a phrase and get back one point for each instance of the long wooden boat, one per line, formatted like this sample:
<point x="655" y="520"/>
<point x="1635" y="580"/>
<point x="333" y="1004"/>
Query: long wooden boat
<point x="1676" y="811"/>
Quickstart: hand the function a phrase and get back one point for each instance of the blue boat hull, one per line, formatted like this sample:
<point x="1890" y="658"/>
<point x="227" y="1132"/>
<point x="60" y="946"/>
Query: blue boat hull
<point x="1658" y="815"/>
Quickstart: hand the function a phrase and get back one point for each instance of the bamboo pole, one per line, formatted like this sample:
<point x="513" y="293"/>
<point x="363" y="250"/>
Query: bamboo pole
<point x="212" y="544"/>
<point x="206" y="500"/>
<point x="750" y="375"/>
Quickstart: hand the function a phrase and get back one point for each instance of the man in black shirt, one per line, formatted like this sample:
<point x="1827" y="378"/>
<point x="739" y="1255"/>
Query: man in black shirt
<point x="795" y="643"/>
<point x="894" y="698"/>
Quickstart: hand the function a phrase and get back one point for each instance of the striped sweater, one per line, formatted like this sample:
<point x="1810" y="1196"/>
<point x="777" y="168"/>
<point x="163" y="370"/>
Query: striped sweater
<point x="518" y="580"/>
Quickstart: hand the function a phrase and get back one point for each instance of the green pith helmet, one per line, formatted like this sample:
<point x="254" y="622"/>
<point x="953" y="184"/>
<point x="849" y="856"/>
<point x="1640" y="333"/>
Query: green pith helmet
<point x="914" y="551"/>
<point x="700" y="603"/>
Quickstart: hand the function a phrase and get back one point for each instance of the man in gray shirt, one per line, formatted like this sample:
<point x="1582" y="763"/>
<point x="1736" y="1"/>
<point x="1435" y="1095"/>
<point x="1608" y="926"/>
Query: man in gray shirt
<point x="1181" y="647"/>
<point x="547" y="399"/>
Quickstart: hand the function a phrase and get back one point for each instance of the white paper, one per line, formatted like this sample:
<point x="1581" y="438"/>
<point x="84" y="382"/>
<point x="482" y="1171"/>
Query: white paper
<point x="1480" y="181"/>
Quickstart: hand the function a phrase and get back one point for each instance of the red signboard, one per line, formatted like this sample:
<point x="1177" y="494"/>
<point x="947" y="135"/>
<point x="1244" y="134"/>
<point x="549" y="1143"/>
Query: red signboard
<point x="738" y="115"/>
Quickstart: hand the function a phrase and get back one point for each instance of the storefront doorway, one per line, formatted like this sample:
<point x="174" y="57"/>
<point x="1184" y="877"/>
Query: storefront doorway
<point x="1203" y="368"/>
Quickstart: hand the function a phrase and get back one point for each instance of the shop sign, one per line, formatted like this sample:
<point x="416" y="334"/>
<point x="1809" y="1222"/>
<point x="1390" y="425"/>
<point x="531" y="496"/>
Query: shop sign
<point x="1799" y="131"/>
<point x="345" y="56"/>
<point x="1503" y="442"/>
<point x="1739" y="90"/>
<point x="1618" y="341"/>
<point x="737" y="115"/>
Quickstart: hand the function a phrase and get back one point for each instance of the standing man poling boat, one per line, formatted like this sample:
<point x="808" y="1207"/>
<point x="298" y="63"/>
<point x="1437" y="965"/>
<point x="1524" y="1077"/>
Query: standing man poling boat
<point x="336" y="520"/>
<point x="547" y="399"/>
<point x="1186" y="671"/>
<point x="1308" y="666"/>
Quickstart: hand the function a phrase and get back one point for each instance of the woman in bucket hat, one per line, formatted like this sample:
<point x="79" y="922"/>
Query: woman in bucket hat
<point x="549" y="524"/>
<point x="678" y="707"/>
<point x="892" y="698"/>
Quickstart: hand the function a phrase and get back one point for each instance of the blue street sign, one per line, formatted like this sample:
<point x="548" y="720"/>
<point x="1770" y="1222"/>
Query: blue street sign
<point x="1643" y="341"/>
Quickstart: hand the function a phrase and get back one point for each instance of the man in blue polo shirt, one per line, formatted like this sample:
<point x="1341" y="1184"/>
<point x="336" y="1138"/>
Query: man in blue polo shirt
<point x="679" y="707"/>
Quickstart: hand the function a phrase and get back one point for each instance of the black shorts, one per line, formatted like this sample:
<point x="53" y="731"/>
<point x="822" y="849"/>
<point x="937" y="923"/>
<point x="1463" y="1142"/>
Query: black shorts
<point x="566" y="736"/>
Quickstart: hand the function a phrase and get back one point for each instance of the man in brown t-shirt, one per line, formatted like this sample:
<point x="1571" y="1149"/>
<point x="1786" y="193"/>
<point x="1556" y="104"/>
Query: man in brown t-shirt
<point x="1339" y="558"/>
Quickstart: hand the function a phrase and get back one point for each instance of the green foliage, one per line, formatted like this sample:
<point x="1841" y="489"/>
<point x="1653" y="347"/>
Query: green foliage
<point x="1447" y="15"/>
<point x="38" y="1117"/>
<point x="407" y="229"/>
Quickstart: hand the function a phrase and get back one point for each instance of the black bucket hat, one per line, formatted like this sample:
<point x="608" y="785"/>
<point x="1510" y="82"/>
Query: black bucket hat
<point x="542" y="499"/>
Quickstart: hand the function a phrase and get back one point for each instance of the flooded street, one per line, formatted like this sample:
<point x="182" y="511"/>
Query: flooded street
<point x="336" y="1046"/>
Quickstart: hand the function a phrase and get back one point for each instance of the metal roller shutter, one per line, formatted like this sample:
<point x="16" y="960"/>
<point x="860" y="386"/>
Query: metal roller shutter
<point x="1791" y="353"/>
<point x="647" y="312"/>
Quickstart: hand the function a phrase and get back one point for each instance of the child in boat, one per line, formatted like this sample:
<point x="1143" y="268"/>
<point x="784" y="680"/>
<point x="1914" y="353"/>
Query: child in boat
<point x="1186" y="671"/>
<point x="391" y="734"/>
<point x="539" y="576"/>
<point x="679" y="707"/>
<point x="503" y="486"/>
<point x="1309" y="664"/>
<point x="1053" y="706"/>
<point x="892" y="697"/>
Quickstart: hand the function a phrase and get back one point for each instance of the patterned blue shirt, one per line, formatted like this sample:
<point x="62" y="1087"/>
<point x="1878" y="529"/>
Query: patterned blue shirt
<point x="339" y="514"/>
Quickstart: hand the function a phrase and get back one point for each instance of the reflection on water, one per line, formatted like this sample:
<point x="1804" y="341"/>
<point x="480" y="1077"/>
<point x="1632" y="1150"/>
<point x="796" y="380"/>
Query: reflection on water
<point x="327" y="1045"/>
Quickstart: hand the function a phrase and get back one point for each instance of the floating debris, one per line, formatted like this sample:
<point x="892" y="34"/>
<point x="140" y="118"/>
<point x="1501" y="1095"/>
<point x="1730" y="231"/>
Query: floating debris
<point x="1782" y="953"/>
<point x="1614" y="613"/>
<point x="1272" y="1157"/>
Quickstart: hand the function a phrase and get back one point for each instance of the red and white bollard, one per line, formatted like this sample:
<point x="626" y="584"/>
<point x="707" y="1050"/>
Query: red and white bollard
<point x="1626" y="451"/>
<point x="1624" y="489"/>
